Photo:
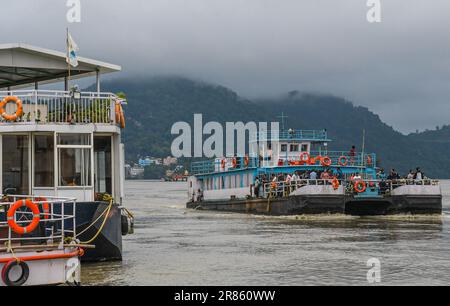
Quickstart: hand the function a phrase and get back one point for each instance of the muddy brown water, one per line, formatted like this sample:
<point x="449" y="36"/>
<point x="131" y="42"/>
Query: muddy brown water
<point x="176" y="246"/>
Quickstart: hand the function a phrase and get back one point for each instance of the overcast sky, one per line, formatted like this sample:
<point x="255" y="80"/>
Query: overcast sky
<point x="399" y="68"/>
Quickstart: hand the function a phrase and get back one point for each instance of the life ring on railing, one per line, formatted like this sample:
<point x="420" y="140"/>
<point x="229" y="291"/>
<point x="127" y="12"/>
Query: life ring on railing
<point x="223" y="163"/>
<point x="19" y="111"/>
<point x="305" y="157"/>
<point x="343" y="161"/>
<point x="23" y="276"/>
<point x="246" y="161"/>
<point x="360" y="187"/>
<point x="234" y="162"/>
<point x="45" y="207"/>
<point x="326" y="161"/>
<point x="120" y="117"/>
<point x="34" y="223"/>
<point x="335" y="183"/>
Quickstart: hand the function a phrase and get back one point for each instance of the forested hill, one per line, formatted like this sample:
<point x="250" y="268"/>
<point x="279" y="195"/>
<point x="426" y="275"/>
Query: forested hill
<point x="155" y="104"/>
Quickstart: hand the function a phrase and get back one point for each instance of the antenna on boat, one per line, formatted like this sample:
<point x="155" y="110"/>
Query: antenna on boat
<point x="362" y="151"/>
<point x="282" y="117"/>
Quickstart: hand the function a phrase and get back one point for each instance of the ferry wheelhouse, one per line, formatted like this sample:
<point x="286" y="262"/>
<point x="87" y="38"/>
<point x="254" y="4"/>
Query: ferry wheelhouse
<point x="288" y="175"/>
<point x="60" y="148"/>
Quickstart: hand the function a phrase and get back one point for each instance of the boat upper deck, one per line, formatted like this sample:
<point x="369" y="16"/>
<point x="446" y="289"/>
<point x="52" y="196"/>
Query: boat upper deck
<point x="338" y="159"/>
<point x="62" y="107"/>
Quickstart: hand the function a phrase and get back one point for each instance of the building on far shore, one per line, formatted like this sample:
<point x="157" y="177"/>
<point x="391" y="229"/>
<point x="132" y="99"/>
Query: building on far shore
<point x="134" y="172"/>
<point x="150" y="161"/>
<point x="169" y="161"/>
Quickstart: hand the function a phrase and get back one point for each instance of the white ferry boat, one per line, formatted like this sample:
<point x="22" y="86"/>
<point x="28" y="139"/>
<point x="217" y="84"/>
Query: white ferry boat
<point x="295" y="173"/>
<point x="61" y="165"/>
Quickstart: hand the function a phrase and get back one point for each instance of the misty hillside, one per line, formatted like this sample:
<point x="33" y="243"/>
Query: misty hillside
<point x="155" y="104"/>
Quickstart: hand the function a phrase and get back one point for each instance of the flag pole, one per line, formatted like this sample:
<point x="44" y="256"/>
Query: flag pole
<point x="68" y="58"/>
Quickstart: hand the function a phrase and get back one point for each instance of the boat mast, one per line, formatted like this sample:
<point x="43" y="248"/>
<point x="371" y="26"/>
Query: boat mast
<point x="362" y="151"/>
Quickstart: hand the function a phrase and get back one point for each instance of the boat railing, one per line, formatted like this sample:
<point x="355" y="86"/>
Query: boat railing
<point x="379" y="187"/>
<point x="223" y="165"/>
<point x="301" y="135"/>
<point x="337" y="158"/>
<point x="70" y="107"/>
<point x="55" y="225"/>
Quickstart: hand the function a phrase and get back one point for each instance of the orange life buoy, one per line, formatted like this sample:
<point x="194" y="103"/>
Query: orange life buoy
<point x="34" y="223"/>
<point x="222" y="163"/>
<point x="335" y="184"/>
<point x="246" y="161"/>
<point x="343" y="161"/>
<point x="360" y="187"/>
<point x="120" y="117"/>
<point x="19" y="111"/>
<point x="234" y="162"/>
<point x="305" y="157"/>
<point x="45" y="207"/>
<point x="326" y="161"/>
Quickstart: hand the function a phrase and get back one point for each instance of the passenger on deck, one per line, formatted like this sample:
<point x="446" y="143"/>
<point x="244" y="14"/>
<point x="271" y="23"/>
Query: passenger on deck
<point x="419" y="175"/>
<point x="410" y="175"/>
<point x="257" y="187"/>
<point x="352" y="155"/>
<point x="325" y="176"/>
<point x="381" y="175"/>
<point x="199" y="195"/>
<point x="393" y="175"/>
<point x="313" y="175"/>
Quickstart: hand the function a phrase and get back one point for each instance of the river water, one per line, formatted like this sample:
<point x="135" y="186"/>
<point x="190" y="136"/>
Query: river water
<point x="176" y="246"/>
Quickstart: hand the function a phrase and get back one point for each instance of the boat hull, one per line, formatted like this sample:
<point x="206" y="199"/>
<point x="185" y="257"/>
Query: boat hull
<point x="108" y="244"/>
<point x="328" y="204"/>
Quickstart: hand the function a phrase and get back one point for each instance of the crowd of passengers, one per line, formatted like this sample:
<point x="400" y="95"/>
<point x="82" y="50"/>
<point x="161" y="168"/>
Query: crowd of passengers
<point x="284" y="183"/>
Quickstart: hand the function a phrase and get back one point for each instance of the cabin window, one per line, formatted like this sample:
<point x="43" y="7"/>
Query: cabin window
<point x="74" y="156"/>
<point x="75" y="167"/>
<point x="15" y="166"/>
<point x="305" y="148"/>
<point x="284" y="148"/>
<point x="294" y="148"/>
<point x="44" y="166"/>
<point x="102" y="164"/>
<point x="74" y="139"/>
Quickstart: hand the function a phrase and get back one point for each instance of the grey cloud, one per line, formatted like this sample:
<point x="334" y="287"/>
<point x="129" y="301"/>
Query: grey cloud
<point x="399" y="68"/>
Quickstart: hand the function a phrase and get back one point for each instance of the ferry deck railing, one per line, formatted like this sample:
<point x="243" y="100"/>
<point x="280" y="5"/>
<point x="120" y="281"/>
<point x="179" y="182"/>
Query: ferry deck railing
<point x="382" y="187"/>
<point x="221" y="165"/>
<point x="54" y="227"/>
<point x="300" y="135"/>
<point x="51" y="106"/>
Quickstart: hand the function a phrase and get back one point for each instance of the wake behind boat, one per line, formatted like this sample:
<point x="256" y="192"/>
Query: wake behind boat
<point x="296" y="174"/>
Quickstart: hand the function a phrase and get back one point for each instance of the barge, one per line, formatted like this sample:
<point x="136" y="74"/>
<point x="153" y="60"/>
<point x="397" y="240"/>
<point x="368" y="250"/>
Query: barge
<point x="295" y="173"/>
<point x="61" y="148"/>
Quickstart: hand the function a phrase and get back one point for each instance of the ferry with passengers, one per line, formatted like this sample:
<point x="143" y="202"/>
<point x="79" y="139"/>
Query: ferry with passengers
<point x="283" y="178"/>
<point x="61" y="166"/>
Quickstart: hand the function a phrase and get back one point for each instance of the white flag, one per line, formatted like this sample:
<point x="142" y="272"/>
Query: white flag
<point x="72" y="50"/>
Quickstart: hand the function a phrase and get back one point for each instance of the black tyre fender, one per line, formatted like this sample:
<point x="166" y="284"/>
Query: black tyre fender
<point x="22" y="279"/>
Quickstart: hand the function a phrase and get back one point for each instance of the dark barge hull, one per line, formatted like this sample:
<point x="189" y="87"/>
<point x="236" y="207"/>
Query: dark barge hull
<point x="108" y="244"/>
<point x="330" y="204"/>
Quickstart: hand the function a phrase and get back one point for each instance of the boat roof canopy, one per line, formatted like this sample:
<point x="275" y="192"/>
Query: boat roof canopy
<point x="22" y="65"/>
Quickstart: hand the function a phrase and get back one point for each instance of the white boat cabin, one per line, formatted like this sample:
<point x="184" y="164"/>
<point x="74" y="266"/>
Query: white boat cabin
<point x="67" y="143"/>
